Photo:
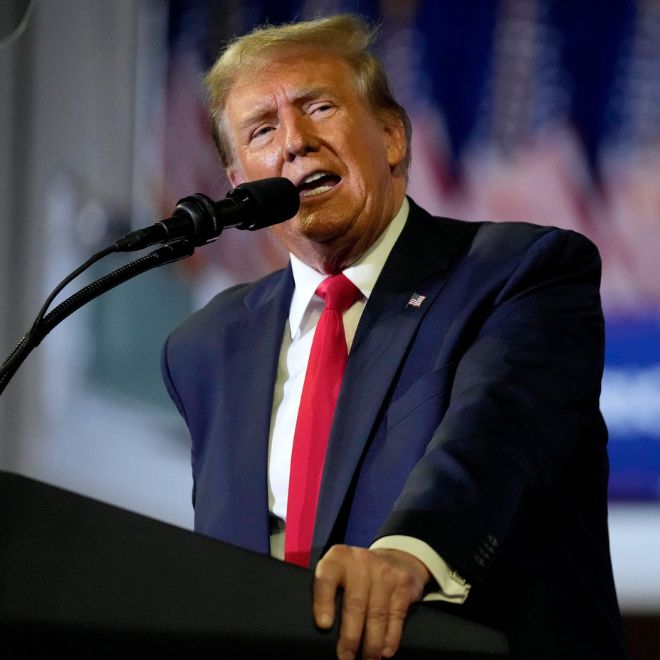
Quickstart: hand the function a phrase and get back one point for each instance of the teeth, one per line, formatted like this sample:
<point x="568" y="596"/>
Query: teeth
<point x="315" y="191"/>
<point x="314" y="177"/>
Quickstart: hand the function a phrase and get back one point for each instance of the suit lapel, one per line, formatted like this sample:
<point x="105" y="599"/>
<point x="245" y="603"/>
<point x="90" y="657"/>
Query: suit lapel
<point x="250" y="348"/>
<point x="419" y="263"/>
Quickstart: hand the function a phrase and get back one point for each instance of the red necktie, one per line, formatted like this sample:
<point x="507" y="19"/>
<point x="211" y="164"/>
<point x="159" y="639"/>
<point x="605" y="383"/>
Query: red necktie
<point x="325" y="369"/>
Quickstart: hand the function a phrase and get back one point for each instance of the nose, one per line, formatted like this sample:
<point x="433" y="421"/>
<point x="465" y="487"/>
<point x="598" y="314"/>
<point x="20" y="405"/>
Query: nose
<point x="300" y="137"/>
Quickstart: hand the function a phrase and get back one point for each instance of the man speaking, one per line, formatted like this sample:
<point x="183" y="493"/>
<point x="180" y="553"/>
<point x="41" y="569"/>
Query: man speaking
<point x="411" y="406"/>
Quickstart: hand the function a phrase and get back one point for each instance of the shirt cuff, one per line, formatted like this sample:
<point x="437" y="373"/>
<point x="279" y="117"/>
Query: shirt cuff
<point x="452" y="587"/>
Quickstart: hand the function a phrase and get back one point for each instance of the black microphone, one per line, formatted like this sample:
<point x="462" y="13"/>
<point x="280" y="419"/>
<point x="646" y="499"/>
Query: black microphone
<point x="200" y="220"/>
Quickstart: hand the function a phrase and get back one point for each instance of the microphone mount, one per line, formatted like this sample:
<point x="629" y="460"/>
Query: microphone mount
<point x="200" y="220"/>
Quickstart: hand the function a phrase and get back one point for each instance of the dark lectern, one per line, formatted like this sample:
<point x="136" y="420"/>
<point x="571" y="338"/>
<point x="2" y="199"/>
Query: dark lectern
<point x="82" y="578"/>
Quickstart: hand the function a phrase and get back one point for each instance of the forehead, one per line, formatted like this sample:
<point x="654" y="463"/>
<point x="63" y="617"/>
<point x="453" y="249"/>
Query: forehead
<point x="291" y="77"/>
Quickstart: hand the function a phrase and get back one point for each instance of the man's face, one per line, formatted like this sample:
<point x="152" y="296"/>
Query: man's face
<point x="302" y="116"/>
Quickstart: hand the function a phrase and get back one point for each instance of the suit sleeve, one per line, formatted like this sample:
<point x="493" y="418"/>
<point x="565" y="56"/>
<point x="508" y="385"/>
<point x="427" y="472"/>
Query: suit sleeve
<point x="525" y="391"/>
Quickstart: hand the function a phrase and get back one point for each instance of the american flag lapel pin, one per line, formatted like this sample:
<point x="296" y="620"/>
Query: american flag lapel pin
<point x="416" y="300"/>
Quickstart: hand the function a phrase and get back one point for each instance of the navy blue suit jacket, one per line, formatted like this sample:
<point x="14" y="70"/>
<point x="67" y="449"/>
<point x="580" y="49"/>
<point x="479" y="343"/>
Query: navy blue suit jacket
<point x="470" y="422"/>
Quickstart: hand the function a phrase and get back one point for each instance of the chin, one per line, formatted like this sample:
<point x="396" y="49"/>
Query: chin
<point x="321" y="226"/>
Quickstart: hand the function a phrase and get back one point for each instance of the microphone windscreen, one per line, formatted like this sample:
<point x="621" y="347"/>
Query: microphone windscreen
<point x="270" y="200"/>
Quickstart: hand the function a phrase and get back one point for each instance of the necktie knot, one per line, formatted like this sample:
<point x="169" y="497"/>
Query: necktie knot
<point x="338" y="292"/>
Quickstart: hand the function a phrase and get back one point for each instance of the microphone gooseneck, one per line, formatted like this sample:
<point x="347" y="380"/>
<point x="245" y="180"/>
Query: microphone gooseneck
<point x="197" y="220"/>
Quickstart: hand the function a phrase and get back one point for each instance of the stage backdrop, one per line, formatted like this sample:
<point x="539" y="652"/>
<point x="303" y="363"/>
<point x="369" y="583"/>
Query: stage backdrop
<point x="533" y="110"/>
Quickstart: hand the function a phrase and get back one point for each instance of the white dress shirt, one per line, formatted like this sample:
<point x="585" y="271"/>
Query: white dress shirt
<point x="305" y="311"/>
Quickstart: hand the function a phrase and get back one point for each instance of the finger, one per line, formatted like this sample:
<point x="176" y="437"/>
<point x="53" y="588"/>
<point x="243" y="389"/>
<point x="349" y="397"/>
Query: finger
<point x="354" y="609"/>
<point x="399" y="605"/>
<point x="376" y="622"/>
<point x="407" y="576"/>
<point x="328" y="576"/>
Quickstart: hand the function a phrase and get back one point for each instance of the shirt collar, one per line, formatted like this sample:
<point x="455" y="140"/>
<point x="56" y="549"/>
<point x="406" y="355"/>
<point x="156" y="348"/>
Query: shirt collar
<point x="363" y="273"/>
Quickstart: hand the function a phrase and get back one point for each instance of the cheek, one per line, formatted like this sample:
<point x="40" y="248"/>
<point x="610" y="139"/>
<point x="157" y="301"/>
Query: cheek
<point x="271" y="160"/>
<point x="257" y="165"/>
<point x="369" y="159"/>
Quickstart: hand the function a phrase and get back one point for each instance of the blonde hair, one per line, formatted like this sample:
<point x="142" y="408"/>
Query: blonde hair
<point x="344" y="35"/>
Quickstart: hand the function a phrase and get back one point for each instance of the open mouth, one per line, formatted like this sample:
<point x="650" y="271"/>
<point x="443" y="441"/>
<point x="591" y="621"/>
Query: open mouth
<point x="317" y="184"/>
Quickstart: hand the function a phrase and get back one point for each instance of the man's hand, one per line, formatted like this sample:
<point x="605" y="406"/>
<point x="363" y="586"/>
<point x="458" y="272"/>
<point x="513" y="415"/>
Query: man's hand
<point x="379" y="587"/>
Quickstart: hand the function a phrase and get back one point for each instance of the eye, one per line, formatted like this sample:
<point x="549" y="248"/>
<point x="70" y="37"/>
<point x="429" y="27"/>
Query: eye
<point x="262" y="130"/>
<point x="321" y="108"/>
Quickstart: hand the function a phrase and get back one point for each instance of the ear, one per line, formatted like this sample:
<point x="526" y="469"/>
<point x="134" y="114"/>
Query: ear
<point x="395" y="140"/>
<point x="235" y="177"/>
